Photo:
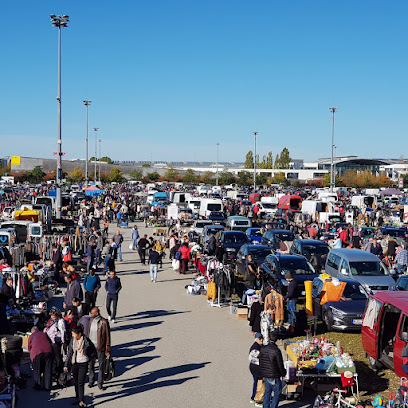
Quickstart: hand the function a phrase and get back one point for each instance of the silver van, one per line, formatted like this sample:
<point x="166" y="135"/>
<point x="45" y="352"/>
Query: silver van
<point x="362" y="266"/>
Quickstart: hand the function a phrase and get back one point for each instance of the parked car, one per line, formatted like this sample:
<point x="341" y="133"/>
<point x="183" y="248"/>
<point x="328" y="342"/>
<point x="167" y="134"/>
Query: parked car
<point x="394" y="232"/>
<point x="367" y="232"/>
<point x="254" y="234"/>
<point x="360" y="265"/>
<point x="278" y="240"/>
<point x="401" y="283"/>
<point x="216" y="217"/>
<point x="238" y="223"/>
<point x="258" y="252"/>
<point x="199" y="225"/>
<point x="347" y="313"/>
<point x="384" y="332"/>
<point x="207" y="231"/>
<point x="307" y="247"/>
<point x="232" y="241"/>
<point x="276" y="266"/>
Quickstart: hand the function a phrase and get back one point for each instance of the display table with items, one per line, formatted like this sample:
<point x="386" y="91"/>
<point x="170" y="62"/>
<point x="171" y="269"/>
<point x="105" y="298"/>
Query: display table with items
<point x="319" y="361"/>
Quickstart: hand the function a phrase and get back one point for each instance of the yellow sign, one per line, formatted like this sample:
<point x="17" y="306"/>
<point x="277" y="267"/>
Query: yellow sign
<point x="15" y="160"/>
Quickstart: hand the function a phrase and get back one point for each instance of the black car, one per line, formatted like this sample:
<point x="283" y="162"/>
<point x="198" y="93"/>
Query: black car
<point x="232" y="241"/>
<point x="401" y="284"/>
<point x="217" y="217"/>
<point x="278" y="239"/>
<point x="313" y="250"/>
<point x="347" y="313"/>
<point x="276" y="266"/>
<point x="394" y="232"/>
<point x="258" y="252"/>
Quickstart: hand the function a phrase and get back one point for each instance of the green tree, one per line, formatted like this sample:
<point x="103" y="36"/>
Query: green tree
<point x="146" y="165"/>
<point x="135" y="175"/>
<point x="171" y="174"/>
<point x="249" y="160"/>
<point x="153" y="176"/>
<point x="279" y="178"/>
<point x="277" y="162"/>
<point x="263" y="163"/>
<point x="116" y="175"/>
<point x="269" y="161"/>
<point x="189" y="176"/>
<point x="226" y="177"/>
<point x="76" y="175"/>
<point x="105" y="159"/>
<point x="5" y="170"/>
<point x="244" y="178"/>
<point x="284" y="159"/>
<point x="208" y="178"/>
<point x="37" y="173"/>
<point x="261" y="179"/>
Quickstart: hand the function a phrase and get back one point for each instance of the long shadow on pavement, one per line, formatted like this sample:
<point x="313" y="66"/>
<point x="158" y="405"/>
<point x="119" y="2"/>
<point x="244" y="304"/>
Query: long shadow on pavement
<point x="148" y="314"/>
<point x="148" y="382"/>
<point x="135" y="326"/>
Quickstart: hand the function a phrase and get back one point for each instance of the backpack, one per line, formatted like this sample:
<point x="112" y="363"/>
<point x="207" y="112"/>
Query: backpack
<point x="68" y="333"/>
<point x="178" y="255"/>
<point x="108" y="369"/>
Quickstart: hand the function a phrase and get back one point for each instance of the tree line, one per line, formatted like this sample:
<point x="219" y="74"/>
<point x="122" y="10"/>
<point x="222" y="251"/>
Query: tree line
<point x="282" y="160"/>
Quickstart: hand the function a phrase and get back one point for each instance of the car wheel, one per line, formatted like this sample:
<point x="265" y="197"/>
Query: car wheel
<point x="328" y="320"/>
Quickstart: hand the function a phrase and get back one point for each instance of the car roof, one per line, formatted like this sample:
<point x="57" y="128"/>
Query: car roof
<point x="238" y="217"/>
<point x="397" y="298"/>
<point x="312" y="242"/>
<point x="355" y="254"/>
<point x="280" y="231"/>
<point x="344" y="279"/>
<point x="213" y="226"/>
<point x="234" y="232"/>
<point x="254" y="246"/>
<point x="287" y="257"/>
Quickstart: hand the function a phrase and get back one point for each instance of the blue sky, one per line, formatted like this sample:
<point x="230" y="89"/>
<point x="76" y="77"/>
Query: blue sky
<point x="170" y="79"/>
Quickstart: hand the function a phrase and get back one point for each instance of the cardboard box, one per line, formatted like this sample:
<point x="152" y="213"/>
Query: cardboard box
<point x="25" y="340"/>
<point x="292" y="388"/>
<point x="242" y="313"/>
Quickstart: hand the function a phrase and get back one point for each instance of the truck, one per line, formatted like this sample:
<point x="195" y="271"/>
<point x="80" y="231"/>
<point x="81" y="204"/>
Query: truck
<point x="361" y="201"/>
<point x="291" y="203"/>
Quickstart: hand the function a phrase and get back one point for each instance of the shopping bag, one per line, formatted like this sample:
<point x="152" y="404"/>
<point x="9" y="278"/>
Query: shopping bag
<point x="108" y="369"/>
<point x="131" y="245"/>
<point x="175" y="264"/>
<point x="260" y="392"/>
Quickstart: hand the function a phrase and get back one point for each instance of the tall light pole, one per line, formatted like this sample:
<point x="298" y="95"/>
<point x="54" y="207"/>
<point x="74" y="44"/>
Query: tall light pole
<point x="332" y="177"/>
<point x="59" y="21"/>
<point x="86" y="103"/>
<point x="96" y="150"/>
<point x="255" y="134"/>
<point x="218" y="148"/>
<point x="100" y="156"/>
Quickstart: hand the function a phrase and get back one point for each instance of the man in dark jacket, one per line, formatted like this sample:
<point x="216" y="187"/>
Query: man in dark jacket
<point x="40" y="349"/>
<point x="272" y="369"/>
<point x="90" y="254"/>
<point x="141" y="248"/>
<point x="112" y="287"/>
<point x="254" y="366"/>
<point x="212" y="242"/>
<point x="291" y="298"/>
<point x="79" y="309"/>
<point x="73" y="291"/>
<point x="99" y="334"/>
<point x="118" y="238"/>
<point x="154" y="259"/>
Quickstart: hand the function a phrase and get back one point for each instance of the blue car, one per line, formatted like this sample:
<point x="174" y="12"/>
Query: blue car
<point x="254" y="234"/>
<point x="347" y="313"/>
<point x="217" y="217"/>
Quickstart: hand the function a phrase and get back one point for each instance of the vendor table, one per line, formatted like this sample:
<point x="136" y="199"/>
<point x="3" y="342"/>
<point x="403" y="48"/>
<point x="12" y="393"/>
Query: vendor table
<point x="302" y="376"/>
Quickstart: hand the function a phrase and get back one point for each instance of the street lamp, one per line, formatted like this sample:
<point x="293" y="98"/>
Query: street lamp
<point x="218" y="148"/>
<point x="86" y="103"/>
<point x="100" y="156"/>
<point x="59" y="21"/>
<point x="255" y="134"/>
<point x="96" y="153"/>
<point x="332" y="178"/>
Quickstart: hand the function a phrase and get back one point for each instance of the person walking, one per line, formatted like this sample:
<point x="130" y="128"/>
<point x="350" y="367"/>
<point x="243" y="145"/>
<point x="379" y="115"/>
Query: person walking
<point x="41" y="356"/>
<point x="154" y="259"/>
<point x="99" y="334"/>
<point x="272" y="370"/>
<point x="80" y="351"/>
<point x="99" y="248"/>
<point x="291" y="298"/>
<point x="91" y="284"/>
<point x="112" y="287"/>
<point x="142" y="245"/>
<point x="254" y="366"/>
<point x="401" y="259"/>
<point x="56" y="332"/>
<point x="135" y="236"/>
<point x="80" y="309"/>
<point x="118" y="238"/>
<point x="185" y="257"/>
<point x="90" y="254"/>
<point x="73" y="291"/>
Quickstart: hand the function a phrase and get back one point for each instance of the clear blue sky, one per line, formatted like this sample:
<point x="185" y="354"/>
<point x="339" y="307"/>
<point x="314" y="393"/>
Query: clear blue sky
<point x="170" y="79"/>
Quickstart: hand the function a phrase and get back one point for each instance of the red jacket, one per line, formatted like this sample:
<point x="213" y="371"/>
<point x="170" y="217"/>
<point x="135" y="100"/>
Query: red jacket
<point x="185" y="252"/>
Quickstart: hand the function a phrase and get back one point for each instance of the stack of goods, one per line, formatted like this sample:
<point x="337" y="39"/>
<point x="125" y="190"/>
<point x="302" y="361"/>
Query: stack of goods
<point x="198" y="286"/>
<point x="320" y="355"/>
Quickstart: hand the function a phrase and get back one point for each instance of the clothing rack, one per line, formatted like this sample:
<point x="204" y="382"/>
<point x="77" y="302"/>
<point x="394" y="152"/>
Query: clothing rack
<point x="222" y="281"/>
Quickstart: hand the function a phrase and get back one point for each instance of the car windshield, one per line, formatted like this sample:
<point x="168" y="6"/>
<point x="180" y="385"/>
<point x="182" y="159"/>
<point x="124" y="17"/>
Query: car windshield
<point x="269" y="206"/>
<point x="201" y="224"/>
<point x="214" y="207"/>
<point x="296" y="266"/>
<point x="238" y="222"/>
<point x="255" y="233"/>
<point x="235" y="239"/>
<point x="308" y="250"/>
<point x="213" y="230"/>
<point x="354" y="291"/>
<point x="402" y="284"/>
<point x="216" y="214"/>
<point x="284" y="237"/>
<point x="259" y="253"/>
<point x="366" y="268"/>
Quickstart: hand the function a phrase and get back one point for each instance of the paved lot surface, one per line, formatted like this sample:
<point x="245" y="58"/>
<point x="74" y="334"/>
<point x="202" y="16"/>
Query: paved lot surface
<point x="171" y="349"/>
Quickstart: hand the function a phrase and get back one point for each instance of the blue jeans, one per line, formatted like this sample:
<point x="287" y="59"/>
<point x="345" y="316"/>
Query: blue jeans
<point x="292" y="312"/>
<point x="272" y="385"/>
<point x="107" y="259"/>
<point x="401" y="268"/>
<point x="135" y="244"/>
<point x="254" y="388"/>
<point x="153" y="271"/>
<point x="120" y="251"/>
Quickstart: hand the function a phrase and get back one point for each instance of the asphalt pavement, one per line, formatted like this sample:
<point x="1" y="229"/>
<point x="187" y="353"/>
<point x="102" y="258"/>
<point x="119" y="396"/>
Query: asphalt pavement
<point x="170" y="349"/>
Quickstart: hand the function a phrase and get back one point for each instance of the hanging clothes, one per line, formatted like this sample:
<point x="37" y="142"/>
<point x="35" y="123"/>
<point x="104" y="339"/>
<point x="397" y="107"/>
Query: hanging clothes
<point x="267" y="327"/>
<point x="255" y="316"/>
<point x="275" y="299"/>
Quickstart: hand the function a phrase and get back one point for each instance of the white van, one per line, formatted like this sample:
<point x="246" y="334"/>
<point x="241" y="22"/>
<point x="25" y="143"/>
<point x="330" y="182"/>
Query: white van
<point x="208" y="205"/>
<point x="194" y="203"/>
<point x="361" y="201"/>
<point x="202" y="189"/>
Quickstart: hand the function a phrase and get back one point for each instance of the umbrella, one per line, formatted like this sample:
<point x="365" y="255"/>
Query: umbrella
<point x="390" y="191"/>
